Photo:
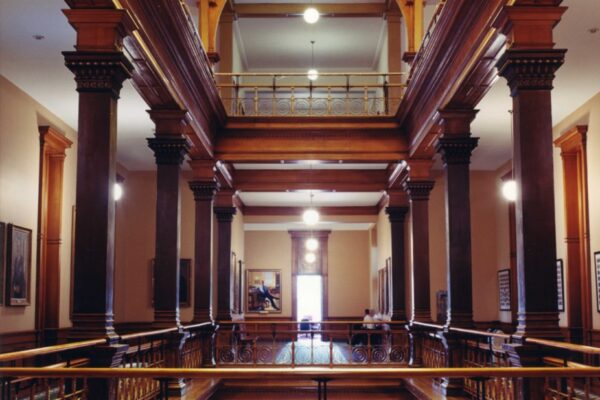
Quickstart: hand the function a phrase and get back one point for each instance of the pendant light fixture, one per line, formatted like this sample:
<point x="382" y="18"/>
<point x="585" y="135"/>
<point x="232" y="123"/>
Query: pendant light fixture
<point x="509" y="186"/>
<point x="312" y="73"/>
<point x="311" y="14"/>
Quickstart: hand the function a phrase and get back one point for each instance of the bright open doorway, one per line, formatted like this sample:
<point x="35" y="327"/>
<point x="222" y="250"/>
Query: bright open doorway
<point x="309" y="304"/>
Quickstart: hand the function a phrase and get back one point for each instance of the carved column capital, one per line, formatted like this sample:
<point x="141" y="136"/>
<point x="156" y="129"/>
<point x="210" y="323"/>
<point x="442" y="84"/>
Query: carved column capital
<point x="224" y="214"/>
<point x="456" y="150"/>
<point x="530" y="69"/>
<point x="418" y="190"/>
<point x="397" y="213"/>
<point x="169" y="150"/>
<point x="204" y="190"/>
<point x="99" y="71"/>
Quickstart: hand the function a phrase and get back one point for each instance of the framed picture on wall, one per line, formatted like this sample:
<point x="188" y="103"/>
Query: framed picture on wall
<point x="560" y="286"/>
<point x="18" y="265"/>
<point x="504" y="289"/>
<point x="597" y="264"/>
<point x="2" y="259"/>
<point x="185" y="282"/>
<point x="263" y="291"/>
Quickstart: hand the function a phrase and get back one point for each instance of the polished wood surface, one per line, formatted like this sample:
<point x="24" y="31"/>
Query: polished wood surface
<point x="397" y="214"/>
<point x="53" y="146"/>
<point x="99" y="39"/>
<point x="577" y="266"/>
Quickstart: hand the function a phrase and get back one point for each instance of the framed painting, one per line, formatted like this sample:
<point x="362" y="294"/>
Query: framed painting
<point x="597" y="265"/>
<point x="185" y="282"/>
<point x="263" y="291"/>
<point x="2" y="259"/>
<point x="504" y="289"/>
<point x="560" y="286"/>
<point x="18" y="266"/>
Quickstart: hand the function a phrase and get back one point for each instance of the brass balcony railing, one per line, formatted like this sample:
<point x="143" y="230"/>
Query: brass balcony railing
<point x="293" y="94"/>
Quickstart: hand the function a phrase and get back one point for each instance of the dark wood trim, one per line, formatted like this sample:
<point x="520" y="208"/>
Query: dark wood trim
<point x="574" y="165"/>
<point x="53" y="145"/>
<point x="257" y="210"/>
<point x="24" y="340"/>
<point x="317" y="179"/>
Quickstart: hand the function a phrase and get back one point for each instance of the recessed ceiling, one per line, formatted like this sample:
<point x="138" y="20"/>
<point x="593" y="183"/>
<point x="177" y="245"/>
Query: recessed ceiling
<point x="299" y="166"/>
<point x="302" y="199"/>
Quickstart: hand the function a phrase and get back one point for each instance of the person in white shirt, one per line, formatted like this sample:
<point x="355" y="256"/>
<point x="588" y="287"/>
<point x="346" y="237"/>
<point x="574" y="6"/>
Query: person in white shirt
<point x="368" y="320"/>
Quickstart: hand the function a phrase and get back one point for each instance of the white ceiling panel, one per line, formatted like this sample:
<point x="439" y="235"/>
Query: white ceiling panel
<point x="304" y="166"/>
<point x="302" y="199"/>
<point x="283" y="44"/>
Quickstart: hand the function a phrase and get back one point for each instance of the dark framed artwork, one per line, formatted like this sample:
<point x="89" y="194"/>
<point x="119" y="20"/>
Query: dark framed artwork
<point x="18" y="266"/>
<point x="2" y="259"/>
<point x="236" y="283"/>
<point x="263" y="291"/>
<point x="504" y="289"/>
<point x="560" y="286"/>
<point x="185" y="282"/>
<point x="597" y="265"/>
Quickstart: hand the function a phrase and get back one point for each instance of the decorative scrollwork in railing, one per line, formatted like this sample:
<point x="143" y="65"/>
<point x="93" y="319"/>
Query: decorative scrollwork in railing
<point x="292" y="95"/>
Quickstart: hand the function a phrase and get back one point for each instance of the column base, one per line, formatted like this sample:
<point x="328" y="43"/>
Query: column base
<point x="92" y="326"/>
<point x="460" y="319"/>
<point x="166" y="319"/>
<point x="421" y="316"/>
<point x="542" y="325"/>
<point x="201" y="316"/>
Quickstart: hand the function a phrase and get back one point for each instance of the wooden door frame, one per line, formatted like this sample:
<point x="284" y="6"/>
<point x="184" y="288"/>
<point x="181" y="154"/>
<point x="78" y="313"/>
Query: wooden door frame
<point x="53" y="145"/>
<point x="575" y="189"/>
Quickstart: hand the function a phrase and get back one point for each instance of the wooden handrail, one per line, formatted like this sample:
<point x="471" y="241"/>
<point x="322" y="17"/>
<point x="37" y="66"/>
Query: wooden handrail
<point x="40" y="351"/>
<point x="482" y="333"/>
<point x="300" y="372"/>
<point x="139" y="335"/>
<point x="428" y="325"/>
<point x="196" y="326"/>
<point x="565" y="346"/>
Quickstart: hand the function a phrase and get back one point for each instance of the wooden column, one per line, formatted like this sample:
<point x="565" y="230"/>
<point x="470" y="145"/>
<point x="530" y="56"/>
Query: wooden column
<point x="169" y="147"/>
<point x="455" y="146"/>
<point x="418" y="188"/>
<point x="396" y="211"/>
<point x="204" y="187"/>
<point x="529" y="66"/>
<point x="224" y="210"/>
<point x="99" y="43"/>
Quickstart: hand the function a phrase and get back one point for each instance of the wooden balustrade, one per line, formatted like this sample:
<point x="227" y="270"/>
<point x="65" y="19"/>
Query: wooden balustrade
<point x="62" y="371"/>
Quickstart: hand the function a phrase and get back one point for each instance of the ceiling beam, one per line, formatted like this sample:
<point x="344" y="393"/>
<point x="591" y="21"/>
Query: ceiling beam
<point x="324" y="211"/>
<point x="322" y="179"/>
<point x="278" y="10"/>
<point x="246" y="139"/>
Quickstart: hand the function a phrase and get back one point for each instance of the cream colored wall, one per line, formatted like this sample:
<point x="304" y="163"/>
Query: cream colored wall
<point x="384" y="250"/>
<point x="349" y="266"/>
<point x="437" y="243"/>
<point x="349" y="272"/>
<point x="20" y="117"/>
<point x="588" y="114"/>
<point x="503" y="235"/>
<point x="271" y="250"/>
<point x="135" y="244"/>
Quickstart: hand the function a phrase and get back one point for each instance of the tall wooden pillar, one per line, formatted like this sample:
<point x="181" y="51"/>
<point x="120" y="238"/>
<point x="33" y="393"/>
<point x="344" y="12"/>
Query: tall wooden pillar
<point x="204" y="187"/>
<point x="456" y="146"/>
<point x="396" y="211"/>
<point x="170" y="147"/>
<point x="99" y="43"/>
<point x="224" y="210"/>
<point x="529" y="66"/>
<point x="418" y="188"/>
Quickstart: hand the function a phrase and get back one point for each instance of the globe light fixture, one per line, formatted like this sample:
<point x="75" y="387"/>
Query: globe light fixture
<point x="117" y="191"/>
<point x="310" y="258"/>
<point x="310" y="217"/>
<point x="311" y="15"/>
<point x="312" y="74"/>
<point x="509" y="190"/>
<point x="312" y="244"/>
